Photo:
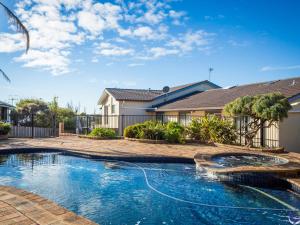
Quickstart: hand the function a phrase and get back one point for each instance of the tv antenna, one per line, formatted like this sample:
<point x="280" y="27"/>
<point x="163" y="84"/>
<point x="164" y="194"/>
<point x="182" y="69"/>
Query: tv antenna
<point x="13" y="98"/>
<point x="209" y="72"/>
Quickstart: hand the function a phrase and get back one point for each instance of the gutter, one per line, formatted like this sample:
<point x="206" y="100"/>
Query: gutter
<point x="189" y="109"/>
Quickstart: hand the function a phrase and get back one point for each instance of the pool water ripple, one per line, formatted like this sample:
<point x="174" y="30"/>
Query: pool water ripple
<point x="121" y="193"/>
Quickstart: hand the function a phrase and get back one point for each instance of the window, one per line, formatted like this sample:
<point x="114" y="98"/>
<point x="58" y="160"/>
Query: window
<point x="184" y="118"/>
<point x="105" y="114"/>
<point x="113" y="109"/>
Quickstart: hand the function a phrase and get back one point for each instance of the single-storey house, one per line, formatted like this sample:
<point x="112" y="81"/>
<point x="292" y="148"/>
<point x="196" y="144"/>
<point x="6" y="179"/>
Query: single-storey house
<point x="5" y="111"/>
<point x="198" y="99"/>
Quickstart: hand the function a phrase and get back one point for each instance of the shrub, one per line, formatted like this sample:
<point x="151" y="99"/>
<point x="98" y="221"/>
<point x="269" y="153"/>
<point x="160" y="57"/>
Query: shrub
<point x="222" y="131"/>
<point x="133" y="131"/>
<point x="103" y="133"/>
<point x="212" y="128"/>
<point x="171" y="132"/>
<point x="174" y="133"/>
<point x="152" y="130"/>
<point x="4" y="128"/>
<point x="194" y="129"/>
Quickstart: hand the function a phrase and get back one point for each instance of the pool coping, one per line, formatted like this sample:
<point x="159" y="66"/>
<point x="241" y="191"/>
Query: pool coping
<point x="18" y="206"/>
<point x="291" y="168"/>
<point x="90" y="155"/>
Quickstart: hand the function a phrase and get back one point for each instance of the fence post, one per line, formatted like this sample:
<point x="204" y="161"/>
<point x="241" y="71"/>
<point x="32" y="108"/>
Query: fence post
<point x="32" y="125"/>
<point x="262" y="135"/>
<point x="61" y="128"/>
<point x="122" y="122"/>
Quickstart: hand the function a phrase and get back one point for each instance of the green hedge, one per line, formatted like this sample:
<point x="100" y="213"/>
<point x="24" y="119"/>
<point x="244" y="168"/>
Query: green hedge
<point x="212" y="128"/>
<point x="4" y="128"/>
<point x="171" y="132"/>
<point x="206" y="129"/>
<point x="103" y="133"/>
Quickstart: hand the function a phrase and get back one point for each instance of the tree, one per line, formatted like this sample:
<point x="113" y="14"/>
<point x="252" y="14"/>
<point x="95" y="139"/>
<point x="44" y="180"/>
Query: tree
<point x="264" y="111"/>
<point x="26" y="108"/>
<point x="20" y="28"/>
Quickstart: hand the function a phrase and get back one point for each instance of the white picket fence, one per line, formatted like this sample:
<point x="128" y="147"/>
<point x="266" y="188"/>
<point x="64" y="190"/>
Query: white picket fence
<point x="26" y="132"/>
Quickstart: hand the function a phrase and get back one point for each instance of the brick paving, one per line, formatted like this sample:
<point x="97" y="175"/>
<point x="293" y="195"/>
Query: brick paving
<point x="109" y="148"/>
<point x="19" y="207"/>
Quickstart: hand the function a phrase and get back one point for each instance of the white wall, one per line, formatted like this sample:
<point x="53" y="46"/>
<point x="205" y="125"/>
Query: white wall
<point x="289" y="130"/>
<point x="109" y="101"/>
<point x="134" y="107"/>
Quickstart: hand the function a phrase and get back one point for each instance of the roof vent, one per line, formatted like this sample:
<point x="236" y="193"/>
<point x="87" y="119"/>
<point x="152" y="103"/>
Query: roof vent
<point x="166" y="89"/>
<point x="293" y="83"/>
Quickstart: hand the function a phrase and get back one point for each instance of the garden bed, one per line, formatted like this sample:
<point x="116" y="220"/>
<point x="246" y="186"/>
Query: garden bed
<point x="149" y="141"/>
<point x="4" y="137"/>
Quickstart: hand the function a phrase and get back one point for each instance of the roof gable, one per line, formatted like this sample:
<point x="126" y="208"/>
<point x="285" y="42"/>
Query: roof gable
<point x="148" y="95"/>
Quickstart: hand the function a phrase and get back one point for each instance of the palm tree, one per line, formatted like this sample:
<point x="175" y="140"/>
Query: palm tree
<point x="20" y="28"/>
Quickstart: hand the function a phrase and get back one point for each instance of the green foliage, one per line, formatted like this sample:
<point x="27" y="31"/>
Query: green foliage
<point x="174" y="133"/>
<point x="272" y="107"/>
<point x="212" y="128"/>
<point x="32" y="106"/>
<point x="152" y="130"/>
<point x="25" y="108"/>
<point x="171" y="132"/>
<point x="133" y="131"/>
<point x="4" y="128"/>
<point x="103" y="133"/>
<point x="44" y="113"/>
<point x="194" y="130"/>
<point x="222" y="131"/>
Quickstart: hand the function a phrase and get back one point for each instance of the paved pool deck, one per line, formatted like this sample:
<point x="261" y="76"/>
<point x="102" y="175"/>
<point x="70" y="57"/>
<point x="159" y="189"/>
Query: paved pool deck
<point x="19" y="207"/>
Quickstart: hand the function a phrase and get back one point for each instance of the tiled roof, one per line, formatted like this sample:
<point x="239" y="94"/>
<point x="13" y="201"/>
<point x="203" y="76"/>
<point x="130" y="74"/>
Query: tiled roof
<point x="134" y="94"/>
<point x="147" y="94"/>
<point x="217" y="98"/>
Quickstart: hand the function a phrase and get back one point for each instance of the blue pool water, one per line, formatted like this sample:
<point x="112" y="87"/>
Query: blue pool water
<point x="247" y="160"/>
<point x="143" y="193"/>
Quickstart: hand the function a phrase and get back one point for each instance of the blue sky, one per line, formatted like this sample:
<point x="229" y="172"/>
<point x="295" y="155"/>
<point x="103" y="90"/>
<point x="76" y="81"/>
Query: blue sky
<point x="80" y="47"/>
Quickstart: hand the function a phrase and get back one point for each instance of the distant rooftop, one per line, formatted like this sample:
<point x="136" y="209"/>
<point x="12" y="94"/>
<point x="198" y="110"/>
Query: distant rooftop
<point x="218" y="98"/>
<point x="147" y="94"/>
<point x="6" y="105"/>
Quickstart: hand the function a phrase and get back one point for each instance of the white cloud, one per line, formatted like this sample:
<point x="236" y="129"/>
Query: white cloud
<point x="274" y="68"/>
<point x="108" y="49"/>
<point x="159" y="52"/>
<point x="144" y="32"/>
<point x="91" y="22"/>
<point x="135" y="64"/>
<point x="178" y="17"/>
<point x="52" y="60"/>
<point x="11" y="42"/>
<point x="191" y="40"/>
<point x="134" y="29"/>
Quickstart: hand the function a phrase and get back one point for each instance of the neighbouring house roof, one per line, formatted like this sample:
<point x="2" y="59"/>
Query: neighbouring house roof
<point x="218" y="98"/>
<point x="5" y="105"/>
<point x="134" y="94"/>
<point x="147" y="94"/>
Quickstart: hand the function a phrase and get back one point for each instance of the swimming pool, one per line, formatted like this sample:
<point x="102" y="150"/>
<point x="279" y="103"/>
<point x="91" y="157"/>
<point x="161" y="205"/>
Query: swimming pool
<point x="233" y="160"/>
<point x="114" y="192"/>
